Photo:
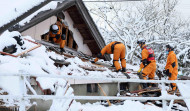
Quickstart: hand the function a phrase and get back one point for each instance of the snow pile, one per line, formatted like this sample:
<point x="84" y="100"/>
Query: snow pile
<point x="185" y="89"/>
<point x="128" y="106"/>
<point x="38" y="62"/>
<point x="62" y="104"/>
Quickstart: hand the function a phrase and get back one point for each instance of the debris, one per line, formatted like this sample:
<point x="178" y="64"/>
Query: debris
<point x="104" y="94"/>
<point x="184" y="78"/>
<point x="125" y="73"/>
<point x="10" y="49"/>
<point x="92" y="68"/>
<point x="38" y="45"/>
<point x="60" y="62"/>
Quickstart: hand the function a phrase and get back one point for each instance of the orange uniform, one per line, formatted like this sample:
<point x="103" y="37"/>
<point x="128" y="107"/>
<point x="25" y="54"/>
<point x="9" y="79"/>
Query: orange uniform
<point x="57" y="38"/>
<point x="172" y="66"/>
<point x="150" y="68"/>
<point x="118" y="51"/>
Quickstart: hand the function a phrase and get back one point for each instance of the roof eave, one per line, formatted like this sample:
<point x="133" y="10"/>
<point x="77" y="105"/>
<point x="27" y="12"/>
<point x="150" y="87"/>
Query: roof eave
<point x="92" y="26"/>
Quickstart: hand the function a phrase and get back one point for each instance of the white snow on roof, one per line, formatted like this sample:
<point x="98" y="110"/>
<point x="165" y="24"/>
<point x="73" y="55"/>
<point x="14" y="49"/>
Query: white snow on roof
<point x="15" y="9"/>
<point x="11" y="9"/>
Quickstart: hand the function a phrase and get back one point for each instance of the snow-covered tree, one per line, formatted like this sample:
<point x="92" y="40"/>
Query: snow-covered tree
<point x="154" y="20"/>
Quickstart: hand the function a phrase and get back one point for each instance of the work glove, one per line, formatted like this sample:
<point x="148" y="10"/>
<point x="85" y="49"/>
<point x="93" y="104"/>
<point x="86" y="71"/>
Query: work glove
<point x="92" y="61"/>
<point x="139" y="70"/>
<point x="62" y="50"/>
<point x="99" y="55"/>
<point x="57" y="36"/>
<point x="167" y="72"/>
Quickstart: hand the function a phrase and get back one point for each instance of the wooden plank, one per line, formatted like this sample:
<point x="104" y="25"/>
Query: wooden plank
<point x="70" y="45"/>
<point x="38" y="45"/>
<point x="184" y="78"/>
<point x="149" y="90"/>
<point x="104" y="94"/>
<point x="92" y="68"/>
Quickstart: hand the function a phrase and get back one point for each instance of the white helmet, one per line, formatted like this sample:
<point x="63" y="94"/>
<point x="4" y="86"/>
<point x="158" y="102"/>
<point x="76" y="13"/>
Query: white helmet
<point x="141" y="41"/>
<point x="54" y="28"/>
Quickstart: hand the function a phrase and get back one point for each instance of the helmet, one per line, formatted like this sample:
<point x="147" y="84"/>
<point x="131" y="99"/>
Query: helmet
<point x="141" y="41"/>
<point x="54" y="29"/>
<point x="170" y="46"/>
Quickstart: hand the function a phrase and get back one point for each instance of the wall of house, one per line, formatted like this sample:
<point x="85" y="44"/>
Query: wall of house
<point x="77" y="36"/>
<point x="43" y="27"/>
<point x="110" y="89"/>
<point x="40" y="29"/>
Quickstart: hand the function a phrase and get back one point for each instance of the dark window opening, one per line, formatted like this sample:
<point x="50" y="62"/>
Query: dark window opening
<point x="92" y="88"/>
<point x="124" y="86"/>
<point x="70" y="42"/>
<point x="74" y="45"/>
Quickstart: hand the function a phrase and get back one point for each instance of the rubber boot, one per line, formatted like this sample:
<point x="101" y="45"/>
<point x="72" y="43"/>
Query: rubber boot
<point x="118" y="70"/>
<point x="123" y="69"/>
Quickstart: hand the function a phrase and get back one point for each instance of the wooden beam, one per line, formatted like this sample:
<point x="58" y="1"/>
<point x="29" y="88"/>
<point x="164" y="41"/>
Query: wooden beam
<point x="88" y="41"/>
<point x="92" y="68"/>
<point x="73" y="8"/>
<point x="79" y="26"/>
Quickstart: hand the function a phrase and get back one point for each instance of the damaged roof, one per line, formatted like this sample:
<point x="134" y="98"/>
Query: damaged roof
<point x="78" y="13"/>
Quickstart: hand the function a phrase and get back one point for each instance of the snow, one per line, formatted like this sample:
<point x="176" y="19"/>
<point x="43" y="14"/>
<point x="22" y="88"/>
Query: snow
<point x="38" y="62"/>
<point x="16" y="9"/>
<point x="128" y="106"/>
<point x="185" y="89"/>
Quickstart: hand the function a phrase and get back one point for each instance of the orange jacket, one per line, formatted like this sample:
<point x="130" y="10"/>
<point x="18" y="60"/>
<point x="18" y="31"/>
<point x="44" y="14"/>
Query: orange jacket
<point x="60" y="41"/>
<point x="106" y="49"/>
<point x="170" y="60"/>
<point x="145" y="55"/>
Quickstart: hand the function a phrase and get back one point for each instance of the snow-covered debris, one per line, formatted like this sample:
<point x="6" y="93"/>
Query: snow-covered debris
<point x="128" y="106"/>
<point x="36" y="62"/>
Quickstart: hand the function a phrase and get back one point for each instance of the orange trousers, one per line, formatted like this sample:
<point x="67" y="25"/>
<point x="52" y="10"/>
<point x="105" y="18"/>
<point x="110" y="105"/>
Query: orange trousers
<point x="119" y="53"/>
<point x="149" y="71"/>
<point x="173" y="77"/>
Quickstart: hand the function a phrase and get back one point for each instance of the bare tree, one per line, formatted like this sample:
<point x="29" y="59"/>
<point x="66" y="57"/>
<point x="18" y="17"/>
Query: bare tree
<point x="154" y="20"/>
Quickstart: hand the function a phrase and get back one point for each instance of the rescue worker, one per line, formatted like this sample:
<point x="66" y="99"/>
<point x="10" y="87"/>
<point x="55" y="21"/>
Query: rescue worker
<point x="56" y="36"/>
<point x="118" y="51"/>
<point x="148" y="62"/>
<point x="171" y="68"/>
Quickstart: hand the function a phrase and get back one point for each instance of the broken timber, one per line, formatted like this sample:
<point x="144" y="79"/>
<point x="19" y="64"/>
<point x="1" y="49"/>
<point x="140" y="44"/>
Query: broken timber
<point x="26" y="51"/>
<point x="69" y="51"/>
<point x="92" y="68"/>
<point x="104" y="94"/>
<point x="60" y="62"/>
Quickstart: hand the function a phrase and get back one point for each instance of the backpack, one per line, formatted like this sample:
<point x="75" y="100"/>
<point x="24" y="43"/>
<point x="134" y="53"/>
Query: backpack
<point x="113" y="45"/>
<point x="151" y="53"/>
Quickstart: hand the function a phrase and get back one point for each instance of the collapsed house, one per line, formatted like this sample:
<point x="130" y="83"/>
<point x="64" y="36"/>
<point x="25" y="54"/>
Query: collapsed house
<point x="83" y="42"/>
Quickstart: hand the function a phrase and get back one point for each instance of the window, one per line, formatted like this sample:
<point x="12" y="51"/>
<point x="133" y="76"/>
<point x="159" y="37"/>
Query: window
<point x="92" y="88"/>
